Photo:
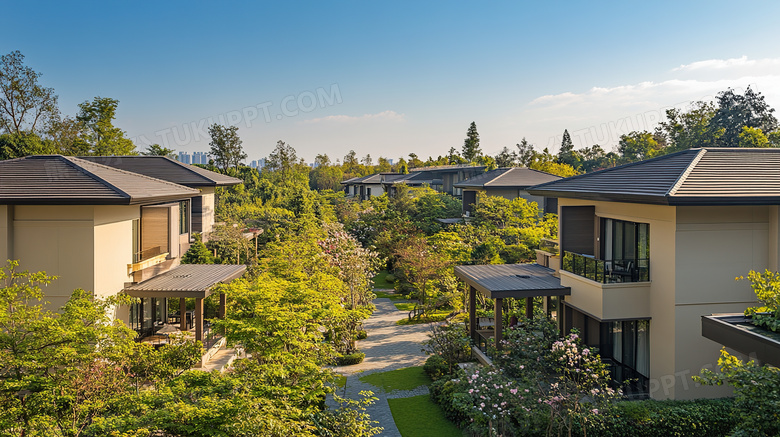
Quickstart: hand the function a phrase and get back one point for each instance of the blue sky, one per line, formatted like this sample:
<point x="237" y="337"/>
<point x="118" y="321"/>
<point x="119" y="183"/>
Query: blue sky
<point x="395" y="77"/>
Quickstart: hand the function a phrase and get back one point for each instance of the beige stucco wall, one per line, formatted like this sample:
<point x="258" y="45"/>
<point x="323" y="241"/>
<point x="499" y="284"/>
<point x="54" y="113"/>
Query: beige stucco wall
<point x="207" y="214"/>
<point x="657" y="295"/>
<point x="60" y="241"/>
<point x="6" y="232"/>
<point x="715" y="244"/>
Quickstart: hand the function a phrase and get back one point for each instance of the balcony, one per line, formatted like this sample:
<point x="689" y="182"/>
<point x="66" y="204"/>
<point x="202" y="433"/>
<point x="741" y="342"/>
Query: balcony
<point x="146" y="258"/>
<point x="606" y="271"/>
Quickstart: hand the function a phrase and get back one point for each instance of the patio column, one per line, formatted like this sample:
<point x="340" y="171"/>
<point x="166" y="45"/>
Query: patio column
<point x="498" y="323"/>
<point x="198" y="319"/>
<point x="472" y="312"/>
<point x="529" y="308"/>
<point x="222" y="303"/>
<point x="182" y="314"/>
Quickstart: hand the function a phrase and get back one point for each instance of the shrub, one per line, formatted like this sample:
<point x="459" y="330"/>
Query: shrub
<point x="361" y="334"/>
<point x="390" y="278"/>
<point x="701" y="417"/>
<point x="444" y="392"/>
<point x="436" y="367"/>
<point x="351" y="359"/>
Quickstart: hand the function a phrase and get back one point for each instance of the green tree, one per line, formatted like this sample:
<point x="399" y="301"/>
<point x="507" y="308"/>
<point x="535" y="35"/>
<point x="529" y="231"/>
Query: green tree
<point x="736" y="111"/>
<point x="25" y="105"/>
<point x="402" y="166"/>
<point x="226" y="146"/>
<point x="453" y="157"/>
<point x="526" y="154"/>
<point x="689" y="129"/>
<point x="471" y="150"/>
<point x="753" y="137"/>
<point x="198" y="253"/>
<point x="414" y="161"/>
<point x="23" y="144"/>
<point x="567" y="155"/>
<point x="637" y="146"/>
<point x="506" y="158"/>
<point x="383" y="165"/>
<point x="103" y="138"/>
<point x="157" y="150"/>
<point x="68" y="136"/>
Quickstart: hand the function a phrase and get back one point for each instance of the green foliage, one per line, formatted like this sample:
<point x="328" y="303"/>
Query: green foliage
<point x="198" y="253"/>
<point x="25" y="105"/>
<point x="351" y="359"/>
<point x="471" y="150"/>
<point x="23" y="144"/>
<point x="158" y="150"/>
<point x="756" y="393"/>
<point x="638" y="146"/>
<point x="349" y="419"/>
<point x="735" y="112"/>
<point x="450" y="342"/>
<point x="699" y="418"/>
<point x="226" y="149"/>
<point x="101" y="136"/>
<point x="767" y="288"/>
<point x="436" y="367"/>
<point x="390" y="278"/>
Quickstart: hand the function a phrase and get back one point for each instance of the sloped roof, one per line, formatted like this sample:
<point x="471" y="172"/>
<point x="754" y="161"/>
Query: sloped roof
<point x="163" y="167"/>
<point x="707" y="176"/>
<point x="187" y="280"/>
<point x="512" y="280"/>
<point x="447" y="168"/>
<point x="67" y="180"/>
<point x="515" y="177"/>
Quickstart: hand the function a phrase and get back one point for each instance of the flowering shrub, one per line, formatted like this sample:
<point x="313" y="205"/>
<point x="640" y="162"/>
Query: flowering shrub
<point x="581" y="386"/>
<point x="525" y="348"/>
<point x="356" y="265"/>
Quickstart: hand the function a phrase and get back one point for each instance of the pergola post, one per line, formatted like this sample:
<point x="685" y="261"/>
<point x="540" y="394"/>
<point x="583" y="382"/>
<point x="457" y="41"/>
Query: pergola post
<point x="529" y="308"/>
<point x="472" y="313"/>
<point x="199" y="319"/>
<point x="182" y="314"/>
<point x="498" y="324"/>
<point x="222" y="303"/>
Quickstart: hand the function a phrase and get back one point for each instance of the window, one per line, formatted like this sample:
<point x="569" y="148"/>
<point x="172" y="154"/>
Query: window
<point x="625" y="248"/>
<point x="184" y="217"/>
<point x="627" y="348"/>
<point x="136" y="240"/>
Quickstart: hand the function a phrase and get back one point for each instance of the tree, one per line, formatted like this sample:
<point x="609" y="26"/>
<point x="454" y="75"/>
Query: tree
<point x="567" y="155"/>
<point x="23" y="144"/>
<point x="637" y="146"/>
<point x="103" y="138"/>
<point x="471" y="148"/>
<point x="25" y="106"/>
<point x="453" y="157"/>
<point x="526" y="154"/>
<point x="283" y="158"/>
<point x="383" y="165"/>
<point x="198" y="253"/>
<point x="737" y="111"/>
<point x="753" y="137"/>
<point x="350" y="163"/>
<point x="321" y="160"/>
<point x="506" y="158"/>
<point x="68" y="135"/>
<point x="414" y="161"/>
<point x="367" y="161"/>
<point x="157" y="150"/>
<point x="689" y="129"/>
<point x="226" y="149"/>
<point x="403" y="167"/>
<point x="419" y="263"/>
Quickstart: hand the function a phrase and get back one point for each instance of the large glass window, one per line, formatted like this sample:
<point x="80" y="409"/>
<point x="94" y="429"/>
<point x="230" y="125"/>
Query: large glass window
<point x="627" y="348"/>
<point x="625" y="249"/>
<point x="184" y="217"/>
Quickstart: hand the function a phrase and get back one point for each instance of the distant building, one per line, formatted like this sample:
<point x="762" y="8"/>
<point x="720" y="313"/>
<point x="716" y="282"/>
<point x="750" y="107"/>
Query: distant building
<point x="200" y="158"/>
<point x="258" y="164"/>
<point x="184" y="158"/>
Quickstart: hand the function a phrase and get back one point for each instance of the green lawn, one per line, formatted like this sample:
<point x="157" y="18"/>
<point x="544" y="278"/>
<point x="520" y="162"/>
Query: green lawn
<point x="418" y="416"/>
<point x="379" y="280"/>
<point x="390" y="296"/>
<point x="340" y="381"/>
<point x="405" y="306"/>
<point x="401" y="379"/>
<point x="436" y="316"/>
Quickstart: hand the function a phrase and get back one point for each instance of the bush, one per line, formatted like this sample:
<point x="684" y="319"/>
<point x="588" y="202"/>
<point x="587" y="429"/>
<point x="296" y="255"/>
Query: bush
<point x="701" y="417"/>
<point x="444" y="392"/>
<point x="361" y="334"/>
<point x="436" y="367"/>
<point x="390" y="278"/>
<point x="351" y="359"/>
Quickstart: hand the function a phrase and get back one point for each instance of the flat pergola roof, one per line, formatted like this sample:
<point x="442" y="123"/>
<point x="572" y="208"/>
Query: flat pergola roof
<point x="736" y="331"/>
<point x="186" y="280"/>
<point x="512" y="280"/>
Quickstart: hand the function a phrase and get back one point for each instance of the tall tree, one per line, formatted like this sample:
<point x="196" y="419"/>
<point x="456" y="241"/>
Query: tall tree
<point x="367" y="161"/>
<point x="737" y="111"/>
<point x="685" y="130"/>
<point x="23" y="144"/>
<point x="283" y="158"/>
<point x="453" y="157"/>
<point x="506" y="158"/>
<point x="226" y="149"/>
<point x="414" y="161"/>
<point x="471" y="148"/>
<point x="383" y="165"/>
<point x="68" y="136"/>
<point x="526" y="154"/>
<point x="637" y="146"/>
<point x="567" y="155"/>
<point x="24" y="104"/>
<point x="103" y="138"/>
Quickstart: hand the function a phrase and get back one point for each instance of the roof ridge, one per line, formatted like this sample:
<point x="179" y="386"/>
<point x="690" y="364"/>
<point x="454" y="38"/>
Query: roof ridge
<point x="505" y="172"/>
<point x="108" y="167"/>
<point x="684" y="175"/>
<point x="70" y="161"/>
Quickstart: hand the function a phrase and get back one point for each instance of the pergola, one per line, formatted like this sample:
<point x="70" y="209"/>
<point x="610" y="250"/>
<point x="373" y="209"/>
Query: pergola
<point x="189" y="281"/>
<point x="500" y="281"/>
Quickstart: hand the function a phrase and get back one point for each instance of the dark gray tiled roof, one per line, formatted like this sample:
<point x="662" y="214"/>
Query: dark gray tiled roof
<point x="67" y="180"/>
<point x="709" y="176"/>
<point x="512" y="280"/>
<point x="515" y="177"/>
<point x="162" y="167"/>
<point x="186" y="280"/>
<point x="447" y="168"/>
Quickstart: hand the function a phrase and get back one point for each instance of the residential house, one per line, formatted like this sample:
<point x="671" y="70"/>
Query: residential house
<point x="171" y="170"/>
<point x="106" y="230"/>
<point x="450" y="175"/>
<point x="441" y="179"/>
<point x="649" y="248"/>
<point x="365" y="187"/>
<point x="509" y="183"/>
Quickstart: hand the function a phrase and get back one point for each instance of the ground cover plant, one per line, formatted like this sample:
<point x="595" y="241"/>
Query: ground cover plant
<point x="418" y="416"/>
<point x="401" y="379"/>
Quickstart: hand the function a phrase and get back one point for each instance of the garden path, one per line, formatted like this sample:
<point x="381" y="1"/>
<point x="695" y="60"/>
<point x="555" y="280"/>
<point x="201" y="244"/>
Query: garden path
<point x="387" y="347"/>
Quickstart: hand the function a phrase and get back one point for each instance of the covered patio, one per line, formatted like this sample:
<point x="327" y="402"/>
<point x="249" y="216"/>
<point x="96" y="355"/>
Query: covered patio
<point x="188" y="281"/>
<point x="501" y="281"/>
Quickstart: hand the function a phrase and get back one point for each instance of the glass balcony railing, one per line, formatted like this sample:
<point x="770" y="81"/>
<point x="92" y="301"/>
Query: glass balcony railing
<point x="146" y="254"/>
<point x="606" y="271"/>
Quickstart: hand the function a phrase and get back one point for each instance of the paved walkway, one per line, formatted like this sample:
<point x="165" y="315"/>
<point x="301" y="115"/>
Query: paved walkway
<point x="387" y="347"/>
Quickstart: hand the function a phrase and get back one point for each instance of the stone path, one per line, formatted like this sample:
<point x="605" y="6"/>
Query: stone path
<point x="387" y="347"/>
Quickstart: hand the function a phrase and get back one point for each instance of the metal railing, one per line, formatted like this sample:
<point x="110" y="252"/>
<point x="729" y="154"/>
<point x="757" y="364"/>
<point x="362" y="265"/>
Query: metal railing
<point x="606" y="271"/>
<point x="146" y="254"/>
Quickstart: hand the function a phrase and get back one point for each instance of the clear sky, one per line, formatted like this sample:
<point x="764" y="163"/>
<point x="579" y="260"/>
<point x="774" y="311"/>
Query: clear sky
<point x="390" y="78"/>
